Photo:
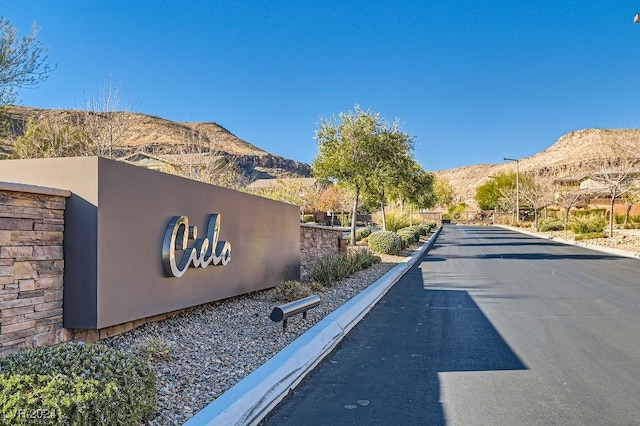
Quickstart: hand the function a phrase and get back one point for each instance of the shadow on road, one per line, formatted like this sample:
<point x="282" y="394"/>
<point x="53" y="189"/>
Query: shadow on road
<point x="387" y="370"/>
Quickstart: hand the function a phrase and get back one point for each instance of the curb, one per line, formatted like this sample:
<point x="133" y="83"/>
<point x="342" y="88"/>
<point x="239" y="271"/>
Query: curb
<point x="608" y="250"/>
<point x="251" y="399"/>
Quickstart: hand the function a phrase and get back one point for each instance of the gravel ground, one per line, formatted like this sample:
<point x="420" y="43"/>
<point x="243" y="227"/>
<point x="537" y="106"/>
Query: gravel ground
<point x="204" y="351"/>
<point x="621" y="240"/>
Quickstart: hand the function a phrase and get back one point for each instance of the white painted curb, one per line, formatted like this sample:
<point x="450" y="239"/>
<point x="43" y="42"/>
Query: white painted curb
<point x="253" y="397"/>
<point x="609" y="250"/>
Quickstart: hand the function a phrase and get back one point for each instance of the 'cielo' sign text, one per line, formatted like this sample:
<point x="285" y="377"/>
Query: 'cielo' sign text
<point x="202" y="253"/>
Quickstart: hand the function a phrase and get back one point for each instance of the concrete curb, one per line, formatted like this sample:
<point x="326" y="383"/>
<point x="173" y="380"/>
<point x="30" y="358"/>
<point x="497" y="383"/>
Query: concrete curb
<point x="608" y="250"/>
<point x="251" y="399"/>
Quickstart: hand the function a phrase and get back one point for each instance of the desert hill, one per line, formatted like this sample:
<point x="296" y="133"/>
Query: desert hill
<point x="136" y="132"/>
<point x="568" y="156"/>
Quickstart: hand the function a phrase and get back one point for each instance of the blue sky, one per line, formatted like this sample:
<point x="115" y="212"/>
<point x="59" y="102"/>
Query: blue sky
<point x="472" y="81"/>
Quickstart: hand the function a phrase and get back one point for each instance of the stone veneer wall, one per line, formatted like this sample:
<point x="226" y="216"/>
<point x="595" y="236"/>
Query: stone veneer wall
<point x="316" y="241"/>
<point x="31" y="266"/>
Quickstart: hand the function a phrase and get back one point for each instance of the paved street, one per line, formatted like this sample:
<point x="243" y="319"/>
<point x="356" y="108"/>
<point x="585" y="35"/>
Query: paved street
<point x="491" y="327"/>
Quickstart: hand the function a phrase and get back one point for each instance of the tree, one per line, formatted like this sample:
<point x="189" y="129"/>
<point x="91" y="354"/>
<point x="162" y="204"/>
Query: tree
<point x="415" y="187"/>
<point x="489" y="193"/>
<point x="198" y="161"/>
<point x="392" y="167"/>
<point x="630" y="198"/>
<point x="334" y="199"/>
<point x="23" y="61"/>
<point x="538" y="194"/>
<point x="612" y="171"/>
<point x="443" y="192"/>
<point x="104" y="120"/>
<point x="352" y="149"/>
<point x="567" y="199"/>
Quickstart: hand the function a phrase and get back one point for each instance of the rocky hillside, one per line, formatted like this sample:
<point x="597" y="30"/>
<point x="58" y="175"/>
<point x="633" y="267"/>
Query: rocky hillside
<point x="135" y="132"/>
<point x="570" y="155"/>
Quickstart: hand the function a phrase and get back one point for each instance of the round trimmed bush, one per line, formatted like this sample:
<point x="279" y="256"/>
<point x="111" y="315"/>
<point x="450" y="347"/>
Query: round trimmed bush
<point x="386" y="242"/>
<point x="423" y="228"/>
<point x="76" y="384"/>
<point x="407" y="239"/>
<point x="413" y="230"/>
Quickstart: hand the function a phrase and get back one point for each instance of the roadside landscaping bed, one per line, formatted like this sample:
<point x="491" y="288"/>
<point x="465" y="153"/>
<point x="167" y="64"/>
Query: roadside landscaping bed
<point x="204" y="351"/>
<point x="622" y="241"/>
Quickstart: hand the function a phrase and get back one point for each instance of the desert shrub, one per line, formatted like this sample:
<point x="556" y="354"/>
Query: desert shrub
<point x="76" y="384"/>
<point x="550" y="224"/>
<point x="362" y="233"/>
<point x="306" y="218"/>
<point x="289" y="291"/>
<point x="592" y="212"/>
<point x="363" y="259"/>
<point x="554" y="213"/>
<point x="618" y="218"/>
<point x="590" y="236"/>
<point x="386" y="242"/>
<point x="326" y="270"/>
<point x="585" y="224"/>
<point x="396" y="221"/>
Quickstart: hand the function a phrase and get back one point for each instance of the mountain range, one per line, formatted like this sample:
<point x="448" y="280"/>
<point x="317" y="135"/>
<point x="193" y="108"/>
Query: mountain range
<point x="136" y="132"/>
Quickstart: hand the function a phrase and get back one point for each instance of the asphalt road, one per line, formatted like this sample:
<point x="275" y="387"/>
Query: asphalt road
<point x="490" y="327"/>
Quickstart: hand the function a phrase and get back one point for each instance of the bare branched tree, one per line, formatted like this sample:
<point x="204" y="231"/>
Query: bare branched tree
<point x="195" y="159"/>
<point x="507" y="200"/>
<point x="105" y="121"/>
<point x="612" y="172"/>
<point x="538" y="194"/>
<point x="568" y="199"/>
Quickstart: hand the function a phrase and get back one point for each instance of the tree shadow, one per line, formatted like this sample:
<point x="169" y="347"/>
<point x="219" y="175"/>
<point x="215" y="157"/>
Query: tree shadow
<point x="387" y="370"/>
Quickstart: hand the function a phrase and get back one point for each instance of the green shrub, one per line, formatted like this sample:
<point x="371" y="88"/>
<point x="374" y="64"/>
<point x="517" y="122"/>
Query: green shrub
<point x="396" y="221"/>
<point x="582" y="213"/>
<point x="76" y="384"/>
<point x="424" y="228"/>
<point x="590" y="236"/>
<point x="289" y="291"/>
<point x="363" y="259"/>
<point x="550" y="224"/>
<point x="413" y="230"/>
<point x="407" y="239"/>
<point x="585" y="224"/>
<point x="362" y="233"/>
<point x="326" y="270"/>
<point x="306" y="218"/>
<point x="618" y="218"/>
<point x="386" y="242"/>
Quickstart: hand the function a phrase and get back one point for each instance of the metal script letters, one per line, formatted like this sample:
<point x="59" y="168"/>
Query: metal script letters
<point x="205" y="251"/>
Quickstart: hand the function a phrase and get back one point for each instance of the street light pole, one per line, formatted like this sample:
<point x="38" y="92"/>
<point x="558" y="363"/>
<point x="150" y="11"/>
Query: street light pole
<point x="517" y="186"/>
